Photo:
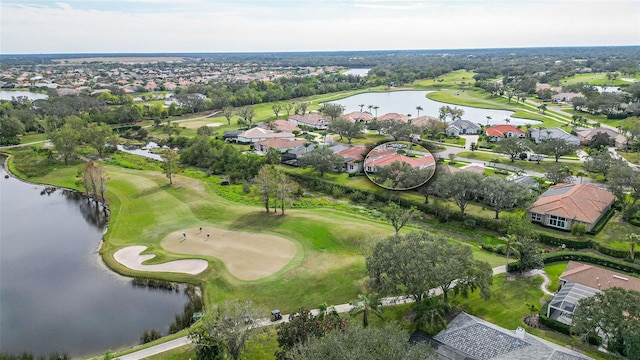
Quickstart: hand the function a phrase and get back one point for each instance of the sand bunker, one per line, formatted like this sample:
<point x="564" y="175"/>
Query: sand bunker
<point x="131" y="258"/>
<point x="247" y="256"/>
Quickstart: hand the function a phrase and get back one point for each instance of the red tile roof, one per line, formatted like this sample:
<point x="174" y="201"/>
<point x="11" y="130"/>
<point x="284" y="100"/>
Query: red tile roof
<point x="502" y="130"/>
<point x="387" y="160"/>
<point x="311" y="119"/>
<point x="591" y="276"/>
<point x="280" y="143"/>
<point x="394" y="117"/>
<point x="358" y="116"/>
<point x="354" y="153"/>
<point x="282" y="125"/>
<point x="582" y="202"/>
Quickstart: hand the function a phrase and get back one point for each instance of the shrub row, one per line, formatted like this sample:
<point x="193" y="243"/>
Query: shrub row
<point x="554" y="324"/>
<point x="631" y="268"/>
<point x="570" y="243"/>
<point x="603" y="221"/>
<point x="617" y="253"/>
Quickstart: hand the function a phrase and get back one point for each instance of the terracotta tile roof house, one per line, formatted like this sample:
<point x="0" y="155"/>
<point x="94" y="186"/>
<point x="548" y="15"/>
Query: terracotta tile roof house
<point x="585" y="136"/>
<point x="463" y="127"/>
<point x="540" y="135"/>
<point x="316" y="121"/>
<point x="423" y="162"/>
<point x="394" y="117"/>
<point x="581" y="281"/>
<point x="473" y="168"/>
<point x="358" y="116"/>
<point x="425" y="120"/>
<point x="280" y="125"/>
<point x="353" y="157"/>
<point x="565" y="96"/>
<point x="503" y="131"/>
<point x="468" y="337"/>
<point x="565" y="204"/>
<point x="280" y="144"/>
<point x="257" y="134"/>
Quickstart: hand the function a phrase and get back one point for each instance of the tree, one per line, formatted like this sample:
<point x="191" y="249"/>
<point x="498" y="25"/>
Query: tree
<point x="557" y="148"/>
<point x="542" y="108"/>
<point x="94" y="180"/>
<point x="276" y="109"/>
<point x="600" y="140"/>
<point x="624" y="183"/>
<point x="416" y="262"/>
<point x="230" y="325"/>
<point x="600" y="162"/>
<point x="288" y="107"/>
<point x="99" y="136"/>
<point x="528" y="255"/>
<point x="284" y="188"/>
<point x="265" y="184"/>
<point x="612" y="314"/>
<point x="170" y="164"/>
<point x="512" y="146"/>
<point x="365" y="305"/>
<point x="227" y="112"/>
<point x="398" y="216"/>
<point x="247" y="114"/>
<point x="473" y="147"/>
<point x="633" y="240"/>
<point x="400" y="131"/>
<point x="322" y="159"/>
<point x="461" y="187"/>
<point x="400" y="176"/>
<point x="192" y="102"/>
<point x="389" y="342"/>
<point x="558" y="173"/>
<point x="66" y="140"/>
<point x="509" y="240"/>
<point x="302" y="327"/>
<point x="418" y="109"/>
<point x="332" y="110"/>
<point x="10" y="128"/>
<point x="502" y="194"/>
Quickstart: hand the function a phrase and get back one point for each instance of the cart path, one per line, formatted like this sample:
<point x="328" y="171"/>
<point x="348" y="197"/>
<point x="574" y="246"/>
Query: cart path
<point x="342" y="308"/>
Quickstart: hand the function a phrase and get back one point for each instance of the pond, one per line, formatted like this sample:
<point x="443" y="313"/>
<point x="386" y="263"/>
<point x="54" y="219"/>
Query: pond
<point x="405" y="102"/>
<point x="357" y="72"/>
<point x="144" y="151"/>
<point x="56" y="294"/>
<point x="8" y="95"/>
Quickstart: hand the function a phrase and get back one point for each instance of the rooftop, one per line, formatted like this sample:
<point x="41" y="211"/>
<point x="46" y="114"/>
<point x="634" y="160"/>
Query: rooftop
<point x="582" y="202"/>
<point x="598" y="278"/>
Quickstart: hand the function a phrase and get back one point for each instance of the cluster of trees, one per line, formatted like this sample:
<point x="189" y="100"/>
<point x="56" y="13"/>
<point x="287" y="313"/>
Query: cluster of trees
<point x="464" y="187"/>
<point x="218" y="157"/>
<point x="400" y="176"/>
<point x="69" y="133"/>
<point x="273" y="184"/>
<point x="608" y="103"/>
<point x="413" y="264"/>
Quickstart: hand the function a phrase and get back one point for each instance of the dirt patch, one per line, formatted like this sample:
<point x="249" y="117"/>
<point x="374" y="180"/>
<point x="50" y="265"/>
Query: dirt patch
<point x="199" y="123"/>
<point x="247" y="256"/>
<point x="131" y="258"/>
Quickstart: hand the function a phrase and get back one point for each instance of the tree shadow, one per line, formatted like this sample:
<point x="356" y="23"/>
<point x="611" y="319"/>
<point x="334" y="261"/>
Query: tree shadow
<point x="258" y="221"/>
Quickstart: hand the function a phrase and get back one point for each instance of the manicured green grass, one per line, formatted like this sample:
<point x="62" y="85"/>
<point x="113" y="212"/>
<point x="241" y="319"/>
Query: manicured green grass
<point x="633" y="157"/>
<point x="598" y="79"/>
<point x="542" y="167"/>
<point x="453" y="79"/>
<point x="181" y="353"/>
<point x="615" y="232"/>
<point x="29" y="138"/>
<point x="554" y="271"/>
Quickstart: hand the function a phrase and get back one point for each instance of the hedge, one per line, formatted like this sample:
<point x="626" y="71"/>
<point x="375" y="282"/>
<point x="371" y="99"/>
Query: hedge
<point x="570" y="243"/>
<point x="617" y="253"/>
<point x="603" y="221"/>
<point x="555" y="324"/>
<point x="630" y="268"/>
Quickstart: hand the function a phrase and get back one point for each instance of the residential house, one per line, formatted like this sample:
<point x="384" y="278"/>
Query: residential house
<point x="279" y="125"/>
<point x="316" y="121"/>
<point x="564" y="97"/>
<point x="580" y="281"/>
<point x="497" y="132"/>
<point x="281" y="145"/>
<point x="258" y="134"/>
<point x="541" y="135"/>
<point x="372" y="163"/>
<point x="292" y="156"/>
<point x="566" y="204"/>
<point x="426" y="120"/>
<point x="231" y="135"/>
<point x="469" y="337"/>
<point x="525" y="181"/>
<point x="463" y="127"/>
<point x="394" y="117"/>
<point x="353" y="156"/>
<point x="358" y="116"/>
<point x="619" y="140"/>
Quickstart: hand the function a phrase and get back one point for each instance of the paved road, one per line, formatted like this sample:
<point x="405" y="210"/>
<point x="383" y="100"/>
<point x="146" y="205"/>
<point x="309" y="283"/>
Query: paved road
<point x="342" y="308"/>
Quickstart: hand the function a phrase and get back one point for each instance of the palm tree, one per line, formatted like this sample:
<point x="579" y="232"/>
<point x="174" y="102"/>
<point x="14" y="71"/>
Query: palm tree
<point x="370" y="107"/>
<point x="633" y="239"/>
<point x="366" y="304"/>
<point x="361" y="107"/>
<point x="511" y="240"/>
<point x="433" y="315"/>
<point x="507" y="121"/>
<point x="488" y="119"/>
<point x="418" y="109"/>
<point x="580" y="174"/>
<point x="376" y="107"/>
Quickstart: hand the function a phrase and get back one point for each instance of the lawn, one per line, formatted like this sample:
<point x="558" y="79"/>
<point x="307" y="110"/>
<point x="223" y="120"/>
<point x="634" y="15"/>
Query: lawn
<point x="29" y="138"/>
<point x="453" y="79"/>
<point x="599" y="79"/>
<point x="542" y="167"/>
<point x="615" y="232"/>
<point x="554" y="271"/>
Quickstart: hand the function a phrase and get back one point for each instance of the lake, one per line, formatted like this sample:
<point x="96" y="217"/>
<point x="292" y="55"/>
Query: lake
<point x="7" y="95"/>
<point x="56" y="294"/>
<point x="405" y="102"/>
<point x="357" y="72"/>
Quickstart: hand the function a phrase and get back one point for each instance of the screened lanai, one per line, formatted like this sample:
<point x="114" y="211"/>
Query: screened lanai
<point x="566" y="300"/>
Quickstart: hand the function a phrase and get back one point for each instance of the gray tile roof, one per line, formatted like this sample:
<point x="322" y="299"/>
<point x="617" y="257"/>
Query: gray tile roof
<point x="482" y="340"/>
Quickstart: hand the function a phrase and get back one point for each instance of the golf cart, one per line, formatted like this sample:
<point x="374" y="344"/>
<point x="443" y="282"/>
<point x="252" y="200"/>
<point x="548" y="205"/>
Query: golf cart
<point x="275" y="315"/>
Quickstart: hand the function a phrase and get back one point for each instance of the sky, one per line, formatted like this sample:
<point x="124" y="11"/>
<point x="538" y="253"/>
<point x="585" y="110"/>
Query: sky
<point x="175" y="26"/>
